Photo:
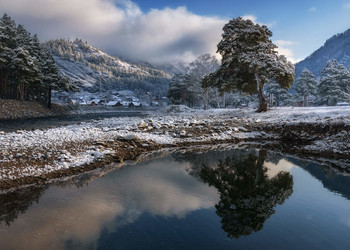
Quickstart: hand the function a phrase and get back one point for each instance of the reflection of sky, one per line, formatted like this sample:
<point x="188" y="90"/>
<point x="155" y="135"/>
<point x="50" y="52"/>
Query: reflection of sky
<point x="273" y="169"/>
<point x="313" y="217"/>
<point x="161" y="187"/>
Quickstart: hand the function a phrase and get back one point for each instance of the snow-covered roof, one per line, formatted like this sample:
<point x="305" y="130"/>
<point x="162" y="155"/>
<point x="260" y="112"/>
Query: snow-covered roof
<point x="95" y="101"/>
<point x="136" y="103"/>
<point x="111" y="103"/>
<point x="125" y="103"/>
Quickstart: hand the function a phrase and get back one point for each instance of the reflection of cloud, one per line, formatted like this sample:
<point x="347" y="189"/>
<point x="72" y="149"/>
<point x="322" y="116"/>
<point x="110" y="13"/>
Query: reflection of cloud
<point x="161" y="187"/>
<point x="120" y="27"/>
<point x="273" y="170"/>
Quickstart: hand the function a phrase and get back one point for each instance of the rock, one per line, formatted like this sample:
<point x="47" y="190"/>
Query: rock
<point x="235" y="129"/>
<point x="182" y="133"/>
<point x="142" y="124"/>
<point x="100" y="143"/>
<point x="18" y="155"/>
<point x="242" y="129"/>
<point x="130" y="137"/>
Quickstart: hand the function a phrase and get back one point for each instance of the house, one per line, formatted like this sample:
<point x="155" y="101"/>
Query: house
<point x="113" y="104"/>
<point x="125" y="103"/>
<point x="135" y="104"/>
<point x="72" y="101"/>
<point x="94" y="102"/>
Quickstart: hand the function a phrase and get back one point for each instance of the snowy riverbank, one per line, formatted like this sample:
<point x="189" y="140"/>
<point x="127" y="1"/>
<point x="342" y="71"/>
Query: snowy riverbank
<point x="32" y="156"/>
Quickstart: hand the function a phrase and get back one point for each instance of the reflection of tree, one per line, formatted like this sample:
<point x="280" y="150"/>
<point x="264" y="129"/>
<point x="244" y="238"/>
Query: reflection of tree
<point x="247" y="195"/>
<point x="197" y="157"/>
<point x="17" y="202"/>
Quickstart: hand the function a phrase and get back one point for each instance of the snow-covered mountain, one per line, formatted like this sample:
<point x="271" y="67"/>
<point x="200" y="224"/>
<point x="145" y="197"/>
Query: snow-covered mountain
<point x="92" y="69"/>
<point x="337" y="47"/>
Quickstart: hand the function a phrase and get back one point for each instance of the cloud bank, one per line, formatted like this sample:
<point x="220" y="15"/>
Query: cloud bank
<point x="120" y="27"/>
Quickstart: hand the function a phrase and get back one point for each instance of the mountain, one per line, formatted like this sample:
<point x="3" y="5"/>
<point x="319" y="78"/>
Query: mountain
<point x="91" y="69"/>
<point x="337" y="47"/>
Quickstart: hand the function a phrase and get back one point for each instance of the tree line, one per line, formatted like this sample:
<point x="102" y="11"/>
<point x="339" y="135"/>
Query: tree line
<point x="27" y="68"/>
<point x="252" y="69"/>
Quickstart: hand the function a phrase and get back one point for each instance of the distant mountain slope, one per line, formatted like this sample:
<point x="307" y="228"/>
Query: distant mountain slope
<point x="337" y="47"/>
<point x="91" y="69"/>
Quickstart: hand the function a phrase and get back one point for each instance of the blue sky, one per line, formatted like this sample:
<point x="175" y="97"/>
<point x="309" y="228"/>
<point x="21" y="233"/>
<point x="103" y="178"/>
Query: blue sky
<point x="306" y="24"/>
<point x="171" y="31"/>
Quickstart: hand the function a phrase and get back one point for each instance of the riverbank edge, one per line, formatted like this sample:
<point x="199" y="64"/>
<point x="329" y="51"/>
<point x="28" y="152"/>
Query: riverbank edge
<point x="285" y="138"/>
<point x="14" y="110"/>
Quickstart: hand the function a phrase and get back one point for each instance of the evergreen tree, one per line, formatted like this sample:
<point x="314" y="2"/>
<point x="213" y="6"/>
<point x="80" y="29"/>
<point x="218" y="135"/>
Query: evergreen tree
<point x="178" y="91"/>
<point x="280" y="96"/>
<point x="27" y="69"/>
<point x="334" y="83"/>
<point x="305" y="85"/>
<point x="249" y="60"/>
<point x="8" y="42"/>
<point x="24" y="65"/>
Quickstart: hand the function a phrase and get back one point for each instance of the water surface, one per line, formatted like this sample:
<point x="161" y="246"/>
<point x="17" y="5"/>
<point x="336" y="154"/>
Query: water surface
<point x="251" y="200"/>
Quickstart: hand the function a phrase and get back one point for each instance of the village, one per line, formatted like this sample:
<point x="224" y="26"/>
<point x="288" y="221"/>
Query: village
<point x="123" y="98"/>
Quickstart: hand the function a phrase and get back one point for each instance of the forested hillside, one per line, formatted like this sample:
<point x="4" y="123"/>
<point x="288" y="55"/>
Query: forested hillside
<point x="337" y="47"/>
<point x="92" y="69"/>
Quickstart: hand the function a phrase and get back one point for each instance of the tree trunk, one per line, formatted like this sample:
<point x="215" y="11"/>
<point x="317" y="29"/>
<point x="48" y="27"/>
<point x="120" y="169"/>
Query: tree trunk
<point x="206" y="99"/>
<point x="261" y="95"/>
<point x="49" y="98"/>
<point x="305" y="101"/>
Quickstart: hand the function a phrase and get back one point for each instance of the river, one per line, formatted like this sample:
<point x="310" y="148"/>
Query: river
<point x="55" y="121"/>
<point x="222" y="198"/>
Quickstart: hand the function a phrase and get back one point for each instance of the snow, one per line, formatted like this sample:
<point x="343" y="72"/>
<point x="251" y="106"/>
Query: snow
<point x="54" y="142"/>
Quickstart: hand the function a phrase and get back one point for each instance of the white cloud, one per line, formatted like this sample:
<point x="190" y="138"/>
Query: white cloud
<point x="346" y="6"/>
<point x="313" y="9"/>
<point x="254" y="19"/>
<point x="120" y="27"/>
<point x="283" y="43"/>
<point x="250" y="17"/>
<point x="284" y="49"/>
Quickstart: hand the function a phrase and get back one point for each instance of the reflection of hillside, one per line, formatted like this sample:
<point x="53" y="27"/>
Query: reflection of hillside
<point x="330" y="179"/>
<point x="15" y="203"/>
<point x="247" y="195"/>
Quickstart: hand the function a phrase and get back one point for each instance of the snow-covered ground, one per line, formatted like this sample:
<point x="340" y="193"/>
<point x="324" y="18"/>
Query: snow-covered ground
<point x="38" y="152"/>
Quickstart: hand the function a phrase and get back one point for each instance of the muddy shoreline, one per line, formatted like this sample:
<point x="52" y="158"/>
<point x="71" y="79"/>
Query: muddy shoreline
<point x="325" y="142"/>
<point x="131" y="150"/>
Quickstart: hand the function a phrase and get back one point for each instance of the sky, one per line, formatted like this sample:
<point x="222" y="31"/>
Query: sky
<point x="169" y="31"/>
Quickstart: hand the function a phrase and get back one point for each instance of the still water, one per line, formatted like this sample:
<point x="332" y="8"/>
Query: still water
<point x="219" y="199"/>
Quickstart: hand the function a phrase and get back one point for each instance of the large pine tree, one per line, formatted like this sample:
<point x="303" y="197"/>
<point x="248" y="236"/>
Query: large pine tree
<point x="249" y="60"/>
